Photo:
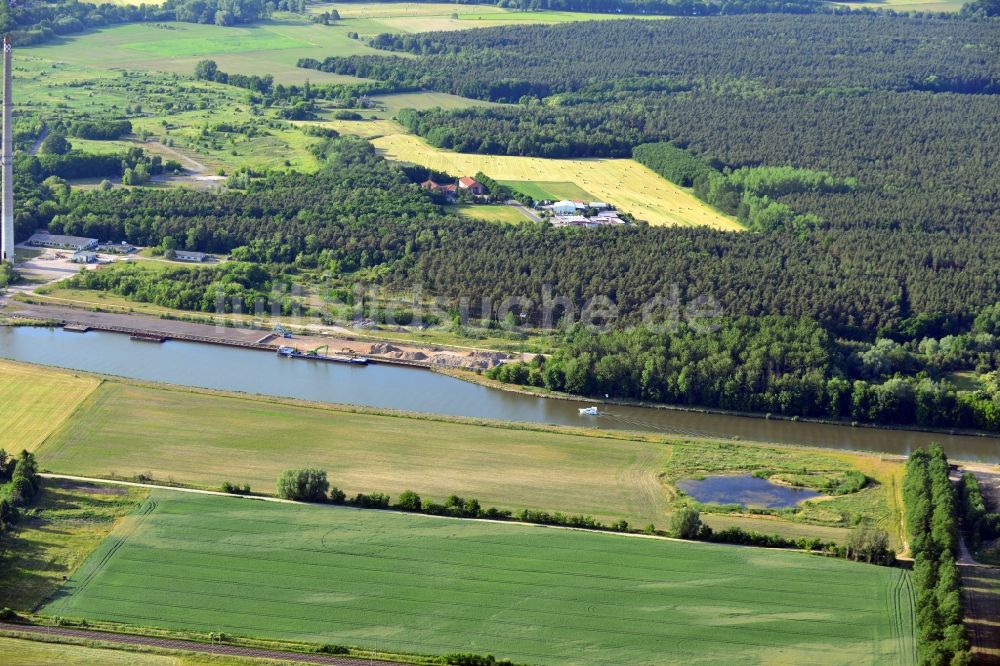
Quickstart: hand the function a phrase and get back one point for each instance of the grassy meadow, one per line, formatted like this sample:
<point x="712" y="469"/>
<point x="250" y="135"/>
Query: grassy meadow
<point x="625" y="183"/>
<point x="66" y="524"/>
<point x="372" y="18"/>
<point x="35" y="401"/>
<point x="203" y="438"/>
<point x="540" y="190"/>
<point x="497" y="213"/>
<point x="428" y="585"/>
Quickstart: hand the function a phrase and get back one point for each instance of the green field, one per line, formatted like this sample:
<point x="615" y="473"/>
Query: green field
<point x="537" y="595"/>
<point x="497" y="213"/>
<point x="204" y="438"/>
<point x="554" y="191"/>
<point x="269" y="47"/>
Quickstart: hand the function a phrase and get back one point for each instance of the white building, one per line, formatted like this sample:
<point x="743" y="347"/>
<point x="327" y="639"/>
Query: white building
<point x="84" y="257"/>
<point x="58" y="242"/>
<point x="564" y="207"/>
<point x="187" y="255"/>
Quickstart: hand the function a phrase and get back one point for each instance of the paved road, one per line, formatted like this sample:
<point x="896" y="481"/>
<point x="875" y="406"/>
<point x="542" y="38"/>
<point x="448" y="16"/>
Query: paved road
<point x="193" y="646"/>
<point x="524" y="210"/>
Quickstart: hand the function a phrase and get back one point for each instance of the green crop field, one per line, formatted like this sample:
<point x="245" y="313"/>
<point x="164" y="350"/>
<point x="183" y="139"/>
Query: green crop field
<point x="497" y="213"/>
<point x="429" y="585"/>
<point x="554" y="191"/>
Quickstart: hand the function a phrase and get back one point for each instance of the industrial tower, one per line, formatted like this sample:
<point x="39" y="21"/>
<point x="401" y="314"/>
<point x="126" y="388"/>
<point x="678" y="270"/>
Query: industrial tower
<point x="7" y="160"/>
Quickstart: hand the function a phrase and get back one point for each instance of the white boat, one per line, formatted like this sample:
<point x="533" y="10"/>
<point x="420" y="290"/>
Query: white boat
<point x="286" y="351"/>
<point x="589" y="411"/>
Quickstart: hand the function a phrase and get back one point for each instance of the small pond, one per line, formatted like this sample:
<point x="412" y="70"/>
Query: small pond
<point x="746" y="490"/>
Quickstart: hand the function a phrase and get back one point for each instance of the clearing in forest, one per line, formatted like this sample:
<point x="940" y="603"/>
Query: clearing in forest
<point x="427" y="585"/>
<point x="628" y="185"/>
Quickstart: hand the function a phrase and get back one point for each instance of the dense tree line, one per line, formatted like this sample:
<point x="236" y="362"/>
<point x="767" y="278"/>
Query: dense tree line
<point x="102" y="129"/>
<point x="932" y="523"/>
<point x="235" y="286"/>
<point x="760" y="364"/>
<point x="979" y="523"/>
<point x="658" y="7"/>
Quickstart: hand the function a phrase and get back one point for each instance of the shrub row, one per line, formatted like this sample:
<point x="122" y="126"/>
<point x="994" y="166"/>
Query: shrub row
<point x="311" y="485"/>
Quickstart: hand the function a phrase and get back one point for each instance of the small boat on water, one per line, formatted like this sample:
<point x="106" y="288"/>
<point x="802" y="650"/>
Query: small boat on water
<point x="589" y="411"/>
<point x="286" y="351"/>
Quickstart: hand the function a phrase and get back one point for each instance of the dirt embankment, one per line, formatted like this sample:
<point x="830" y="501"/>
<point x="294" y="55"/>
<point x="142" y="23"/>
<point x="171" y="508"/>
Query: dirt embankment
<point x="261" y="337"/>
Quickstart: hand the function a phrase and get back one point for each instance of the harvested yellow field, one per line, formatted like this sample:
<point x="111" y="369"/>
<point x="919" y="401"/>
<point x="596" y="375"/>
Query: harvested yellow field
<point x="34" y="401"/>
<point x="366" y="129"/>
<point x="626" y="184"/>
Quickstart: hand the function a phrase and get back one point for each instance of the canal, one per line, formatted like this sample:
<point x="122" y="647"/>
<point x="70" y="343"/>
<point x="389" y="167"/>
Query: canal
<point x="418" y="390"/>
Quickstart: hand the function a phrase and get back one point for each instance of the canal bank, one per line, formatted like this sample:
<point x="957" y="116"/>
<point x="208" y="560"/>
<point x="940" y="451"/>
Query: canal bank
<point x="415" y="390"/>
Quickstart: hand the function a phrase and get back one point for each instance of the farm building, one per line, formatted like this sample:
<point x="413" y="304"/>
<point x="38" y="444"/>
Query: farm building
<point x="564" y="207"/>
<point x="448" y="191"/>
<point x="55" y="241"/>
<point x="187" y="255"/>
<point x="84" y="257"/>
<point x="473" y="186"/>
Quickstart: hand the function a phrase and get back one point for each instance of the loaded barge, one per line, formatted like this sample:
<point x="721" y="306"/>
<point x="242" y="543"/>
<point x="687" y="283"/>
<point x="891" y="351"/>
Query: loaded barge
<point x="315" y="355"/>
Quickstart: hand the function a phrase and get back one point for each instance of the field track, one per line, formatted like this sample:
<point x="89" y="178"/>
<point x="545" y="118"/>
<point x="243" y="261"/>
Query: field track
<point x="189" y="646"/>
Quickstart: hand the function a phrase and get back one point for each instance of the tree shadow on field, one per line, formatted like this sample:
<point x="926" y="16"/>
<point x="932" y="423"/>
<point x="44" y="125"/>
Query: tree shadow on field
<point x="982" y="611"/>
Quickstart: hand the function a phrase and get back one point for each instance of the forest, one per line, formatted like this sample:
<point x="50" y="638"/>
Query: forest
<point x="903" y="112"/>
<point x="779" y="365"/>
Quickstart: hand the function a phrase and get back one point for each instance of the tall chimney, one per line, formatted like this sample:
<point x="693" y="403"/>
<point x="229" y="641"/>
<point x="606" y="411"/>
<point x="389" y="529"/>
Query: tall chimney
<point x="7" y="159"/>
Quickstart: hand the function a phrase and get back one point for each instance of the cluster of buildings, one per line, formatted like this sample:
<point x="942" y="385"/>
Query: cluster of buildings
<point x="85" y="250"/>
<point x="450" y="191"/>
<point x="567" y="213"/>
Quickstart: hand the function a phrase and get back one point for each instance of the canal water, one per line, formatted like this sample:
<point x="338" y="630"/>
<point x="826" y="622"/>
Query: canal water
<point x="419" y="390"/>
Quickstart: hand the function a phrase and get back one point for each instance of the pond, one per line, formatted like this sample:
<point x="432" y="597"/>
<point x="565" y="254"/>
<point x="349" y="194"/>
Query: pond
<point x="745" y="490"/>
